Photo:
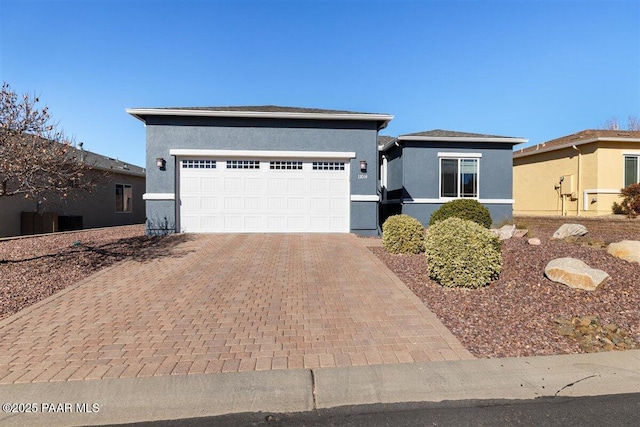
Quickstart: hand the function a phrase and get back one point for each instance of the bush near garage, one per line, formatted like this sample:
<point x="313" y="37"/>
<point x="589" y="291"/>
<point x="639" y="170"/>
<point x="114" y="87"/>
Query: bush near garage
<point x="462" y="253"/>
<point x="403" y="234"/>
<point x="463" y="208"/>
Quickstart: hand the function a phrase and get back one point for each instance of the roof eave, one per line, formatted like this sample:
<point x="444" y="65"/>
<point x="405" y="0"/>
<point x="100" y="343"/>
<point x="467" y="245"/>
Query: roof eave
<point x="140" y="113"/>
<point x="388" y="145"/>
<point x="505" y="140"/>
<point x="518" y="154"/>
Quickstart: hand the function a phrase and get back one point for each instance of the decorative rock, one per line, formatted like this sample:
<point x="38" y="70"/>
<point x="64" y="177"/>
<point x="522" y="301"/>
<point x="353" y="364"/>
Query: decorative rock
<point x="534" y="241"/>
<point x="505" y="232"/>
<point x="520" y="233"/>
<point x="575" y="274"/>
<point x="628" y="250"/>
<point x="567" y="230"/>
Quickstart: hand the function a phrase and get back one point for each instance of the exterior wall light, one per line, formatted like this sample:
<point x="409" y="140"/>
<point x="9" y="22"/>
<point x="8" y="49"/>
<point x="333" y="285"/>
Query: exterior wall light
<point x="363" y="165"/>
<point x="160" y="163"/>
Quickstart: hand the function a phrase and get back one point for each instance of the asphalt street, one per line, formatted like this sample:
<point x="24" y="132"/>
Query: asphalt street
<point x="609" y="410"/>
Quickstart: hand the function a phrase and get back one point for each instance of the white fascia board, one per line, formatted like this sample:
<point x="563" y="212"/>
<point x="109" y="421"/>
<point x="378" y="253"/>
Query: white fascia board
<point x="460" y="155"/>
<point x="181" y="152"/>
<point x="365" y="198"/>
<point x="388" y="145"/>
<point x="519" y="153"/>
<point x="462" y="139"/>
<point x="139" y="113"/>
<point x="158" y="196"/>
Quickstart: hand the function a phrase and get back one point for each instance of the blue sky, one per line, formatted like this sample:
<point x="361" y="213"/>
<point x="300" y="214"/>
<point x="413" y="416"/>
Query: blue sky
<point x="532" y="69"/>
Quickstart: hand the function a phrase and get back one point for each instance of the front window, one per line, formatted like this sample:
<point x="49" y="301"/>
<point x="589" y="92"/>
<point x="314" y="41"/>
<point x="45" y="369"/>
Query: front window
<point x="124" y="196"/>
<point x="458" y="178"/>
<point x="631" y="170"/>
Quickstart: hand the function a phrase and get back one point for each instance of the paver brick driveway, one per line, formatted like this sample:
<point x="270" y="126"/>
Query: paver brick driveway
<point x="227" y="303"/>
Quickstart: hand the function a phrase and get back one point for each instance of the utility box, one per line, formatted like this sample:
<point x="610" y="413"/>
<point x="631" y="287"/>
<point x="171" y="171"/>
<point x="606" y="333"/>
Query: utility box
<point x="567" y="185"/>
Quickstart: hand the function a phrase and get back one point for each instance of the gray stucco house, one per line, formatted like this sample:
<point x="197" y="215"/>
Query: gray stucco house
<point x="115" y="200"/>
<point x="419" y="172"/>
<point x="261" y="169"/>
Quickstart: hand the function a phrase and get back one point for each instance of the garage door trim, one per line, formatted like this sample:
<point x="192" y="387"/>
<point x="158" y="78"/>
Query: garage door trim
<point x="263" y="154"/>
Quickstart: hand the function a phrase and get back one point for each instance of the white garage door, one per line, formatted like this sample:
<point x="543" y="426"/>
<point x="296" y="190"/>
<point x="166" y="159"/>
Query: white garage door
<point x="243" y="195"/>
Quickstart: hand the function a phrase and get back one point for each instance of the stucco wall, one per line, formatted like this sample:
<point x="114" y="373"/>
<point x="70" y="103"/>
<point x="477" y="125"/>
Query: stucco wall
<point x="165" y="133"/>
<point x="419" y="171"/>
<point x="602" y="168"/>
<point x="97" y="208"/>
<point x="535" y="178"/>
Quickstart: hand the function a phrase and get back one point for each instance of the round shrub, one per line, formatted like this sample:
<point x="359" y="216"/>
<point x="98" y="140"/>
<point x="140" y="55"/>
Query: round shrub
<point x="461" y="253"/>
<point x="469" y="209"/>
<point x="402" y="234"/>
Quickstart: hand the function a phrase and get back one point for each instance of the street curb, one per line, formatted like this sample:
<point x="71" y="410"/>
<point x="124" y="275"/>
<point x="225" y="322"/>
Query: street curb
<point x="130" y="400"/>
<point x="508" y="378"/>
<point x="176" y="397"/>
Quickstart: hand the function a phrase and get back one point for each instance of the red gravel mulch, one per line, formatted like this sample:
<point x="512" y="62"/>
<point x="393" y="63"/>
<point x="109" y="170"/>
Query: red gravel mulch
<point x="515" y="315"/>
<point x="34" y="268"/>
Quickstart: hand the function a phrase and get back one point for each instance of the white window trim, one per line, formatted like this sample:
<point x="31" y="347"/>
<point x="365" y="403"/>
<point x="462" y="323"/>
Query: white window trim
<point x="460" y="155"/>
<point x="263" y="154"/>
<point x="455" y="157"/>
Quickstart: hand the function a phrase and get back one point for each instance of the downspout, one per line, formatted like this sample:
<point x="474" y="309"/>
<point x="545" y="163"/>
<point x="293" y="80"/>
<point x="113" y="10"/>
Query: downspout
<point x="578" y="180"/>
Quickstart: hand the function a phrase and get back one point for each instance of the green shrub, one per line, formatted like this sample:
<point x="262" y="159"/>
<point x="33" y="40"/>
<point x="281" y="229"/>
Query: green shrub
<point x="402" y="234"/>
<point x="463" y="208"/>
<point x="461" y="253"/>
<point x="617" y="209"/>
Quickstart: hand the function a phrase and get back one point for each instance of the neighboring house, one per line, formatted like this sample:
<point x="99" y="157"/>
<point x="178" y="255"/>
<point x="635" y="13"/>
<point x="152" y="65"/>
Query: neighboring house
<point x="422" y="171"/>
<point x="578" y="174"/>
<point x="116" y="200"/>
<point x="261" y="169"/>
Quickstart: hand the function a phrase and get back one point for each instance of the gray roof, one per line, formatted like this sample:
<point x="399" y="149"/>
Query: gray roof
<point x="109" y="164"/>
<point x="264" y="109"/>
<point x="440" y="133"/>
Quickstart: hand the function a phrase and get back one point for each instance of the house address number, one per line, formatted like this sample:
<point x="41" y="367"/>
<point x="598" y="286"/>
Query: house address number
<point x="362" y="176"/>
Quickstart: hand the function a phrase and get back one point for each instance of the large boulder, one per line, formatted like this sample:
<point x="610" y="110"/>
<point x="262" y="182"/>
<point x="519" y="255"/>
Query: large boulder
<point x="575" y="274"/>
<point x="567" y="230"/>
<point x="628" y="250"/>
<point x="505" y="232"/>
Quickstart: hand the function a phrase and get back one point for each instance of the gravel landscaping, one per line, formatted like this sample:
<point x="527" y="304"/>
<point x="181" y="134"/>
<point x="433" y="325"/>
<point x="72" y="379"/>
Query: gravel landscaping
<point x="523" y="313"/>
<point x="33" y="268"/>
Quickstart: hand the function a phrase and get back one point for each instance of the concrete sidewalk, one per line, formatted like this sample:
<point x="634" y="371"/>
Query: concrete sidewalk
<point x="173" y="397"/>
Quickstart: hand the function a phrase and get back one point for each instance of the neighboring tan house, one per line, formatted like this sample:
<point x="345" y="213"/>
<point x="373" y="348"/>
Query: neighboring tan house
<point x="422" y="171"/>
<point x="578" y="174"/>
<point x="261" y="169"/>
<point x="116" y="200"/>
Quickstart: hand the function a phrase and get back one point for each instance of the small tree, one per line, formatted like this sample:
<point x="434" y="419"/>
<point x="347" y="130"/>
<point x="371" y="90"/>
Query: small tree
<point x="631" y="199"/>
<point x="35" y="159"/>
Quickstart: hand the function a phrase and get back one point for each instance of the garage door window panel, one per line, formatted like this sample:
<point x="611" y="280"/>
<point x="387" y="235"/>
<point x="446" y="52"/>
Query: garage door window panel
<point x="243" y="164"/>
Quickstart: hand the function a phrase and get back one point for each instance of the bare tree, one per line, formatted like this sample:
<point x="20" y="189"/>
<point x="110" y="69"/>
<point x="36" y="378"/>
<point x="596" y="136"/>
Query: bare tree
<point x="611" y="123"/>
<point x="36" y="160"/>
